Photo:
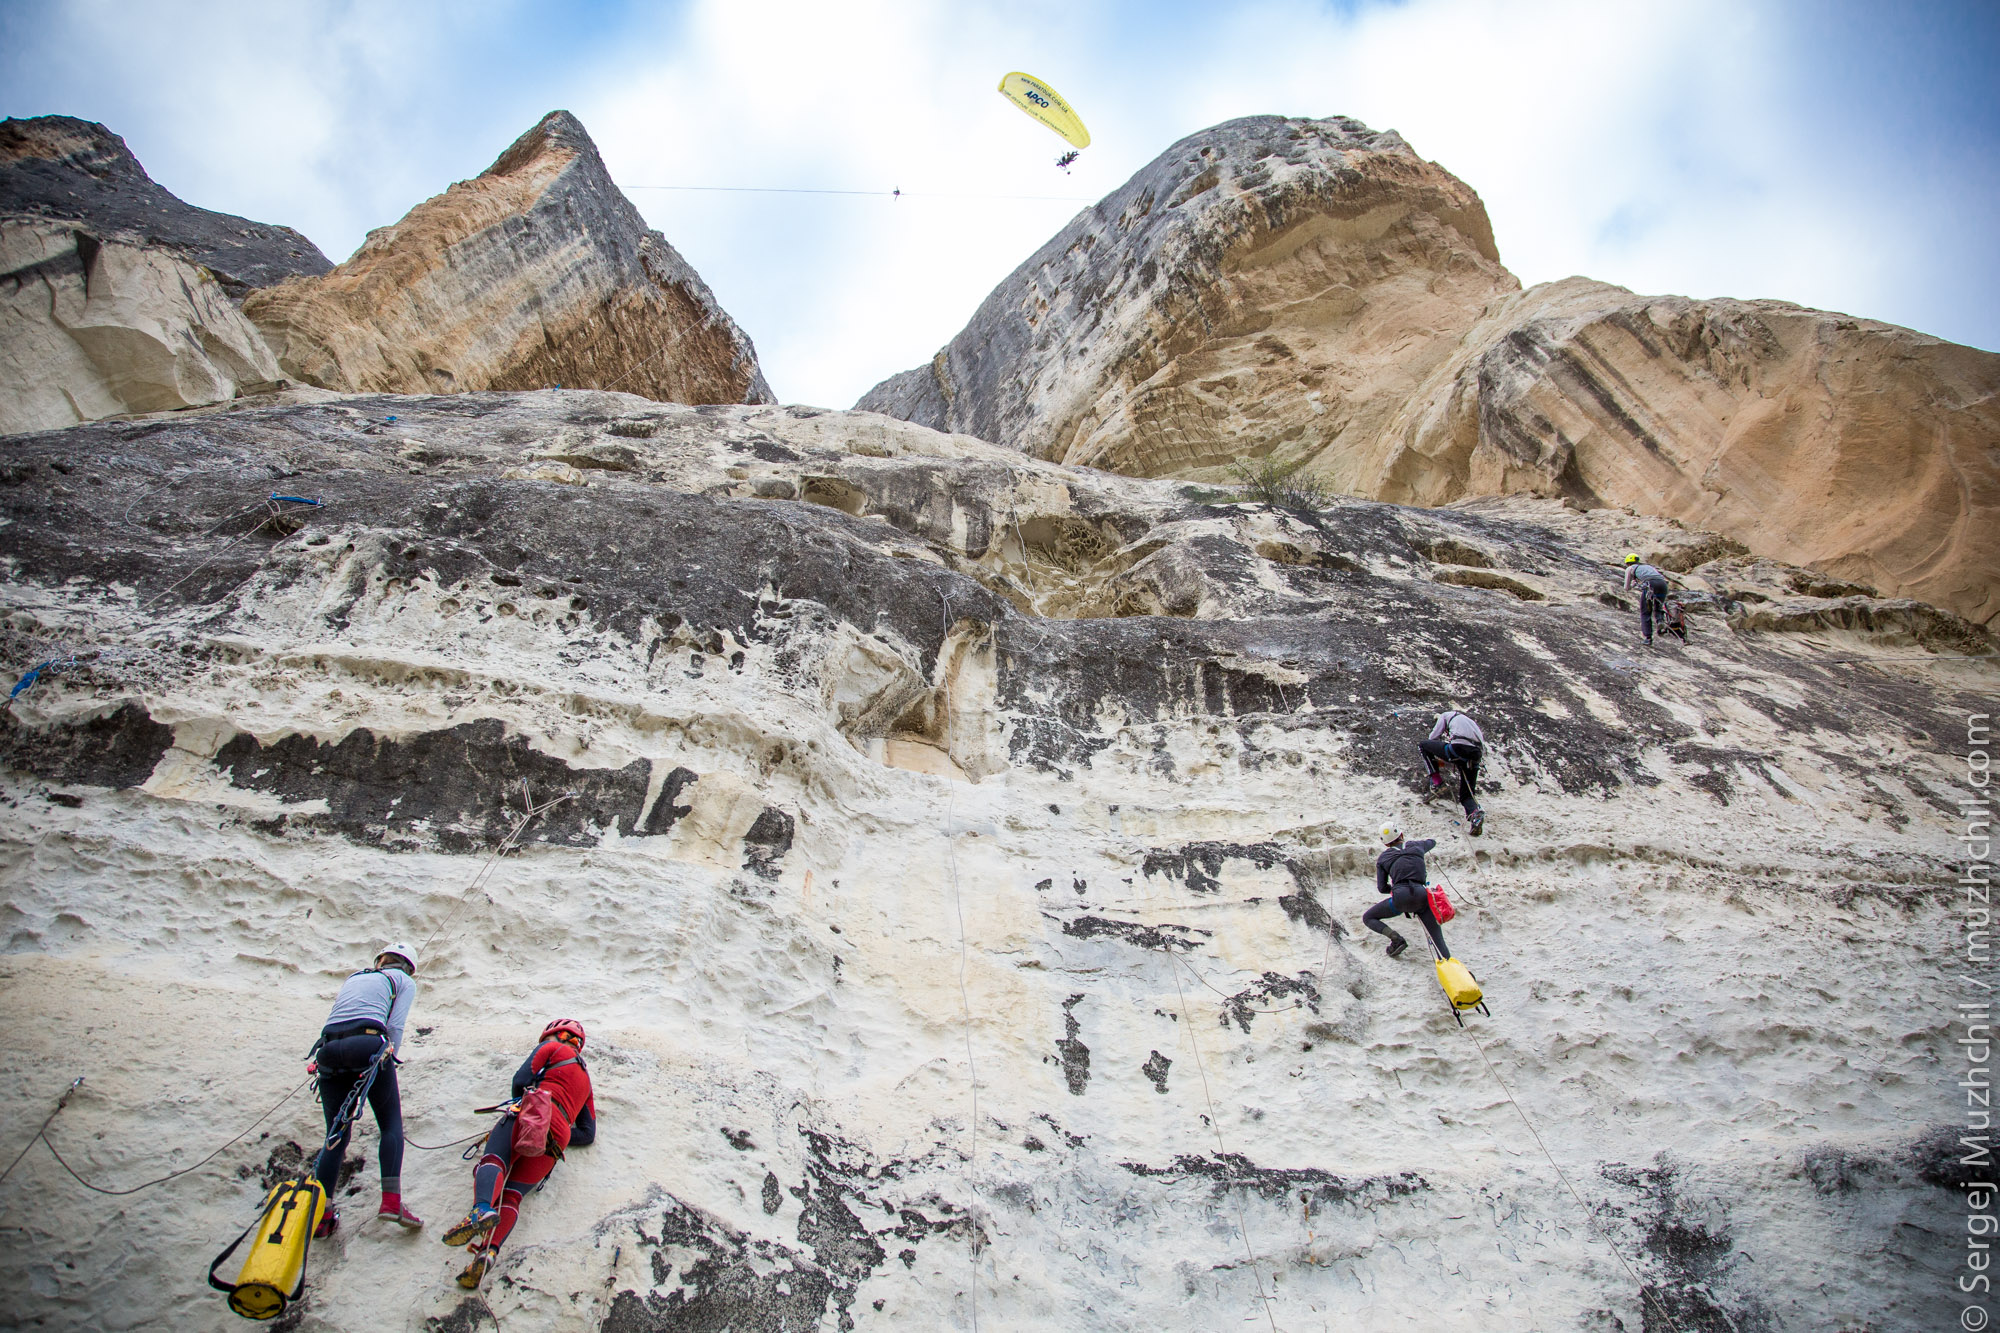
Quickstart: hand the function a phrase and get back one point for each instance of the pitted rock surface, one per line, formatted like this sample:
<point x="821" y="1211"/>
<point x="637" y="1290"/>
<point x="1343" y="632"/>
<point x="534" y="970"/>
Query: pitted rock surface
<point x="959" y="872"/>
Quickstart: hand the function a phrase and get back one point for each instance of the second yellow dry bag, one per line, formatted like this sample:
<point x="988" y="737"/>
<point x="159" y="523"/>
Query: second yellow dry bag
<point x="274" y="1272"/>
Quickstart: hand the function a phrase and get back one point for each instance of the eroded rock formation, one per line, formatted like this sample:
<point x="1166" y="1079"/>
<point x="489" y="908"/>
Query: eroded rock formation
<point x="115" y="296"/>
<point x="1271" y="281"/>
<point x="960" y="882"/>
<point x="1866" y="451"/>
<point x="536" y="273"/>
<point x="1313" y="292"/>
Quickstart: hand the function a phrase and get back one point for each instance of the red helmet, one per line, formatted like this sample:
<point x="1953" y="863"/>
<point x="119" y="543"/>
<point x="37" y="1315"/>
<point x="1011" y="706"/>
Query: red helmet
<point x="564" y="1027"/>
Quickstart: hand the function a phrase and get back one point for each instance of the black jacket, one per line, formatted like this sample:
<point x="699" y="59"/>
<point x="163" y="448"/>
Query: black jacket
<point x="1402" y="868"/>
<point x="584" y="1132"/>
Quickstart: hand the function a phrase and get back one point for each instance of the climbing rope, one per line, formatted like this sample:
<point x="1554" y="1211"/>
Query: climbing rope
<point x="65" y="659"/>
<point x="965" y="1009"/>
<point x="41" y="1136"/>
<point x="1283" y="1009"/>
<point x="272" y="505"/>
<point x="1589" y="1216"/>
<point x="1215" y="1127"/>
<point x="493" y="858"/>
<point x="440" y="1147"/>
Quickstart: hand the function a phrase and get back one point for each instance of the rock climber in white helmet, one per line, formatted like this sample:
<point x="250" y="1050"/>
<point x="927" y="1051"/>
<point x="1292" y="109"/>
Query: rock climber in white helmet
<point x="366" y="1022"/>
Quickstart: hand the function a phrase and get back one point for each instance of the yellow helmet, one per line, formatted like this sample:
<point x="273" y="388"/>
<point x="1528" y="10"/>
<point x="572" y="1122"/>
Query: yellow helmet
<point x="1631" y="558"/>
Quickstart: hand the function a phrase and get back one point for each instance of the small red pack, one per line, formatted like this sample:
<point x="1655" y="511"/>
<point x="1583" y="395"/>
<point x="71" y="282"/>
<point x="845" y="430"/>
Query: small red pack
<point x="534" y="1118"/>
<point x="1441" y="908"/>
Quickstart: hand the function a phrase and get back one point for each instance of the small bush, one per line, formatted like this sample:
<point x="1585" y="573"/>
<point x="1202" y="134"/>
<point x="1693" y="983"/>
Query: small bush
<point x="1285" y="485"/>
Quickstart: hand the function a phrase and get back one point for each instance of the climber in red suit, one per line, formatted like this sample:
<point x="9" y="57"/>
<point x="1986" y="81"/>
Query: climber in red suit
<point x="504" y="1174"/>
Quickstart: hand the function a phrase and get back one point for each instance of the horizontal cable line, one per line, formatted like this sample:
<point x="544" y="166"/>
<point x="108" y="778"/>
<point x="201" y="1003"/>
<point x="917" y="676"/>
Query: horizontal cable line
<point x="883" y="194"/>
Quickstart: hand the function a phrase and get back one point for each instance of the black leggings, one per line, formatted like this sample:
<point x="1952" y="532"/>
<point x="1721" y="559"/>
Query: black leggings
<point x="1374" y="917"/>
<point x="1465" y="756"/>
<point x="343" y="1062"/>
<point x="1652" y="605"/>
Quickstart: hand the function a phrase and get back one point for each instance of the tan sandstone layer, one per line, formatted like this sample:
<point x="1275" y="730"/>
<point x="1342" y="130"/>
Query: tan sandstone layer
<point x="536" y="273"/>
<point x="115" y="296"/>
<point x="1315" y="293"/>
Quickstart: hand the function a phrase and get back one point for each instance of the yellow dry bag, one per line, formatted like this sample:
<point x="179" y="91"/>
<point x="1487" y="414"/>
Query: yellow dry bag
<point x="274" y="1272"/>
<point x="1460" y="988"/>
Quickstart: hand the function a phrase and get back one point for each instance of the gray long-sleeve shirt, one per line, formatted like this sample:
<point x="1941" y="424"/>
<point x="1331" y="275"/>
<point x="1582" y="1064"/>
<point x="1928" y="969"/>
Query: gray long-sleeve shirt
<point x="1456" y="726"/>
<point x="1641" y="573"/>
<point x="383" y="997"/>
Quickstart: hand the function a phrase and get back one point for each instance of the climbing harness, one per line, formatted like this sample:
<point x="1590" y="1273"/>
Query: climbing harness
<point x="292" y="1212"/>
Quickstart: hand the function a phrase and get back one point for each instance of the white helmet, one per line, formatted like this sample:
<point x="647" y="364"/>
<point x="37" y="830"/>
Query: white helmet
<point x="1390" y="832"/>
<point x="403" y="950"/>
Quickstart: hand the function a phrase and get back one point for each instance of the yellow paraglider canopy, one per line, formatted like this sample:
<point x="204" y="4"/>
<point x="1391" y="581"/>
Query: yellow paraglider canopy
<point x="1046" y="105"/>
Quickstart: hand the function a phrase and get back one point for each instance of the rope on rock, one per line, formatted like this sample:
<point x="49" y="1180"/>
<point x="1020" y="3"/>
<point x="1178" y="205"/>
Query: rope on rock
<point x="1284" y="1009"/>
<point x="965" y="1010"/>
<point x="272" y="505"/>
<point x="41" y="1136"/>
<point x="440" y="1147"/>
<point x="1645" y="1292"/>
<point x="1215" y="1127"/>
<point x="66" y="659"/>
<point x="493" y="858"/>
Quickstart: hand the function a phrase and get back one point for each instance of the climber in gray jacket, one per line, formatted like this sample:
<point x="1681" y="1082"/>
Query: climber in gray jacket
<point x="1652" y="586"/>
<point x="1400" y="873"/>
<point x="358" y="1045"/>
<point x="1457" y="740"/>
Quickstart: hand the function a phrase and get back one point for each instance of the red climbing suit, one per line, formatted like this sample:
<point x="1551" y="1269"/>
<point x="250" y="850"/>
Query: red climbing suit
<point x="576" y="1122"/>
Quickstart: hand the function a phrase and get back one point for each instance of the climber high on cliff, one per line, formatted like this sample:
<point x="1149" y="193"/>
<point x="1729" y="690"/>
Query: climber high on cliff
<point x="553" y="1108"/>
<point x="1652" y="586"/>
<point x="1457" y="740"/>
<point x="1399" y="873"/>
<point x="366" y="1021"/>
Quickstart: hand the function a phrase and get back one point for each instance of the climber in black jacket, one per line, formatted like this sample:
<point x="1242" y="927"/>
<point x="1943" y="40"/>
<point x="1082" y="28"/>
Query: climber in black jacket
<point x="1399" y="873"/>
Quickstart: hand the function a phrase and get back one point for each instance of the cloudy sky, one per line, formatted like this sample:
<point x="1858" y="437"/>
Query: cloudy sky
<point x="1835" y="153"/>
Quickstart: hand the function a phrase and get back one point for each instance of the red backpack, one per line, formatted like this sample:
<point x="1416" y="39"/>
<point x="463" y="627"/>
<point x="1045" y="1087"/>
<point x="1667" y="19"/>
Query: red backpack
<point x="1441" y="908"/>
<point x="534" y="1118"/>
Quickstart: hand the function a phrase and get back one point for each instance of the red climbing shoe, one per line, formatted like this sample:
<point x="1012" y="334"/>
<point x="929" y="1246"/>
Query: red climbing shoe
<point x="329" y="1222"/>
<point x="393" y="1210"/>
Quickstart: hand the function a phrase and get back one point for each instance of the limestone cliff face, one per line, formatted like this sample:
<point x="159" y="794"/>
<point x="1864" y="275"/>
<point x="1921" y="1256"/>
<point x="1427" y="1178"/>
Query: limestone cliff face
<point x="1862" y="449"/>
<point x="538" y="272"/>
<point x="1268" y="283"/>
<point x="1311" y="291"/>
<point x="959" y="876"/>
<point x="115" y="296"/>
